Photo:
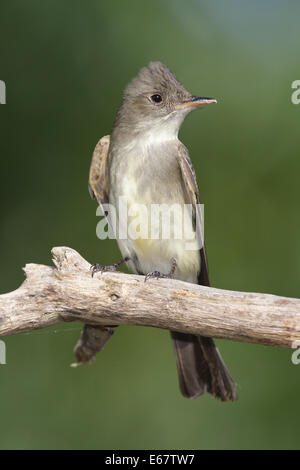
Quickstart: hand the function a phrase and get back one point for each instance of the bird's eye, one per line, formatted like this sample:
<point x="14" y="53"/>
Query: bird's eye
<point x="156" y="98"/>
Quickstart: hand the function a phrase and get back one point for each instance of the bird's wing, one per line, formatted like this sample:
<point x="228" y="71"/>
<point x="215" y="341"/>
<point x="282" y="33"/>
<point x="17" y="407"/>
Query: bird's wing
<point x="205" y="362"/>
<point x="192" y="197"/>
<point x="99" y="189"/>
<point x="98" y="177"/>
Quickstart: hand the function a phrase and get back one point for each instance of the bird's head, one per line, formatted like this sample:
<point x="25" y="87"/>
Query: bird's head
<point x="155" y="99"/>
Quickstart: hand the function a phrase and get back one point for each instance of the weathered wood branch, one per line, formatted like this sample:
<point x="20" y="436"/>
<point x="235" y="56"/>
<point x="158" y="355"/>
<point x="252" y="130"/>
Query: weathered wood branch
<point x="67" y="292"/>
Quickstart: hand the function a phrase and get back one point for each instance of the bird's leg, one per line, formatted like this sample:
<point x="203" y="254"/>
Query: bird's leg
<point x="158" y="275"/>
<point x="96" y="268"/>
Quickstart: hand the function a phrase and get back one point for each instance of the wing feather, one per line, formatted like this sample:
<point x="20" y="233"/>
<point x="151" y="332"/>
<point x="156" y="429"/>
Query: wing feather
<point x="98" y="177"/>
<point x="192" y="196"/>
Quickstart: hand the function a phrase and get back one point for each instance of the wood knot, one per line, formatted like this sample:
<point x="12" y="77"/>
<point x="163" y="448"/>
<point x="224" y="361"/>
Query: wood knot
<point x="114" y="297"/>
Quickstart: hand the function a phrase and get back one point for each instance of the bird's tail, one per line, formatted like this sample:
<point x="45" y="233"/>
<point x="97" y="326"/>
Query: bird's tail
<point x="201" y="368"/>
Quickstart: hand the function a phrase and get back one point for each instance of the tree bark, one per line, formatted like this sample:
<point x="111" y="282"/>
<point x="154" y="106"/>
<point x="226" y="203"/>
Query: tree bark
<point x="68" y="292"/>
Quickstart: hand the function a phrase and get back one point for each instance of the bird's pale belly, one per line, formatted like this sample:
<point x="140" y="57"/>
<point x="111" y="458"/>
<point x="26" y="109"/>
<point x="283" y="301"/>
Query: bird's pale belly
<point x="152" y="246"/>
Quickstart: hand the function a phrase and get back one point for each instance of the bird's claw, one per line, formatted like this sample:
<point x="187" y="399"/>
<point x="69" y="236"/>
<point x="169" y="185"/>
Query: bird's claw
<point x="158" y="275"/>
<point x="98" y="268"/>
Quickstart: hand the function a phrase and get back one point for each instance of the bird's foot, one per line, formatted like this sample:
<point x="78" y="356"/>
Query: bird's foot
<point x="99" y="268"/>
<point x="159" y="275"/>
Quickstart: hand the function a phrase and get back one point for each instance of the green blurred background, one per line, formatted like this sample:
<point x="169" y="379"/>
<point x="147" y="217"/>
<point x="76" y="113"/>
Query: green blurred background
<point x="65" y="64"/>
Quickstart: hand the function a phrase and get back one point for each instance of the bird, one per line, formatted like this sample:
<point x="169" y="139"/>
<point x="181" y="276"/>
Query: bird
<point x="145" y="162"/>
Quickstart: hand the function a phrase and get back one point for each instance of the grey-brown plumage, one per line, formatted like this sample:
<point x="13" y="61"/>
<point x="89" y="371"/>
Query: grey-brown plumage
<point x="146" y="163"/>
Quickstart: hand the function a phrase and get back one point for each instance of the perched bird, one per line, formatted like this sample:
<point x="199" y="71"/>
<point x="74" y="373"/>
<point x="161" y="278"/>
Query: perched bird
<point x="146" y="163"/>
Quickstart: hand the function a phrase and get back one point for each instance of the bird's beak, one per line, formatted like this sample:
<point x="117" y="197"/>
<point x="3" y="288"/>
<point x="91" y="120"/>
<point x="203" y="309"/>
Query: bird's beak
<point x="197" y="101"/>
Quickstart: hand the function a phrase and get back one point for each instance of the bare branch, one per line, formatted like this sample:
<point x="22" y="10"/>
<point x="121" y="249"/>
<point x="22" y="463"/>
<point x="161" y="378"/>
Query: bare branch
<point x="68" y="292"/>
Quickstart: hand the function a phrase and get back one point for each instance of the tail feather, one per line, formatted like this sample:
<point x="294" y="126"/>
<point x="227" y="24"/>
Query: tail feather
<point x="201" y="368"/>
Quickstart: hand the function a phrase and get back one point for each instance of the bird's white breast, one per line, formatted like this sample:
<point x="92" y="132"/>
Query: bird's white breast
<point x="146" y="172"/>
